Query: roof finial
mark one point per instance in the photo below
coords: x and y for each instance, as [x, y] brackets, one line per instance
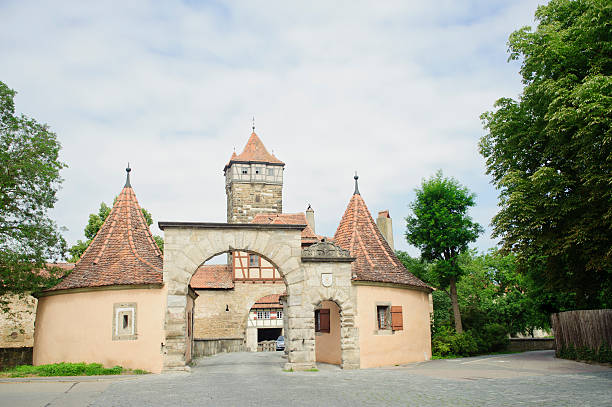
[253, 124]
[127, 181]
[356, 177]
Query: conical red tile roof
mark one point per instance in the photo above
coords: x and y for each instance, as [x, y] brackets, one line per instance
[123, 251]
[254, 151]
[375, 260]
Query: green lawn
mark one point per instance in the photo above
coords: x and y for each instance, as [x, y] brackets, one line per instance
[67, 369]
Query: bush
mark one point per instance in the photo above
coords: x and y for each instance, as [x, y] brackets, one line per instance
[602, 355]
[492, 338]
[447, 342]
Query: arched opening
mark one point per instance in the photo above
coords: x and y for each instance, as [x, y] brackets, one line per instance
[327, 322]
[237, 307]
[265, 325]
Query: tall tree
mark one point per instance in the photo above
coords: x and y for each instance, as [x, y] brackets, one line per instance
[95, 222]
[441, 228]
[29, 181]
[550, 154]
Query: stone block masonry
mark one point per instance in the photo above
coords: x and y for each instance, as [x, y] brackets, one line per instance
[211, 320]
[245, 200]
[17, 326]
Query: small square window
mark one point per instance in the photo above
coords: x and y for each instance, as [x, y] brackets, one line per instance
[253, 260]
[260, 315]
[124, 321]
[245, 171]
[270, 172]
[279, 314]
[266, 314]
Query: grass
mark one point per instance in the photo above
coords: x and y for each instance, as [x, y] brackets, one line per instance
[314, 369]
[68, 369]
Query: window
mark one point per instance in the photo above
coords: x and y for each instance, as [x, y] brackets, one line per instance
[382, 316]
[389, 318]
[279, 314]
[253, 260]
[257, 170]
[270, 172]
[124, 321]
[322, 320]
[260, 315]
[266, 314]
[245, 171]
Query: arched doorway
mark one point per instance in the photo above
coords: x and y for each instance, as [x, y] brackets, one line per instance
[327, 333]
[227, 287]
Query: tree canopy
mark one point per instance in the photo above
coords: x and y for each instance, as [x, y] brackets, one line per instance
[550, 154]
[441, 229]
[29, 181]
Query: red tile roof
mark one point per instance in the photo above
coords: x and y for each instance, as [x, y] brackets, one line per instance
[123, 251]
[308, 236]
[254, 151]
[375, 260]
[269, 301]
[212, 276]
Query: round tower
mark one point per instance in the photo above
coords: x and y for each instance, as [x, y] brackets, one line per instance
[253, 182]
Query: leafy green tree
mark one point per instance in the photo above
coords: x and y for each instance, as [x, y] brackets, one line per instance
[95, 222]
[441, 228]
[29, 181]
[493, 291]
[550, 155]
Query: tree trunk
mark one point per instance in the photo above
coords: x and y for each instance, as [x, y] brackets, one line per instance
[455, 302]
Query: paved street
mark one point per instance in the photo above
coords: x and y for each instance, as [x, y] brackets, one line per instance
[531, 378]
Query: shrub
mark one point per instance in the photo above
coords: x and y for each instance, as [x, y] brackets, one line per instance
[492, 338]
[447, 342]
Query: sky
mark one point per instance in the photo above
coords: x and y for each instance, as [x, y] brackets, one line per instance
[390, 89]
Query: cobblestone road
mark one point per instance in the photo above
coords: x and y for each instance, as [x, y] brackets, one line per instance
[257, 379]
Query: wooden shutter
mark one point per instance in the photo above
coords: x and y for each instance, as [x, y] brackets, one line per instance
[397, 320]
[324, 320]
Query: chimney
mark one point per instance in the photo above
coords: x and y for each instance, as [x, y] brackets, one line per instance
[310, 218]
[385, 226]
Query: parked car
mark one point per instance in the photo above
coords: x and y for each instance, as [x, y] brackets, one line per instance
[280, 343]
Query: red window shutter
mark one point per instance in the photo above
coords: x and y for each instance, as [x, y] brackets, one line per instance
[324, 320]
[397, 320]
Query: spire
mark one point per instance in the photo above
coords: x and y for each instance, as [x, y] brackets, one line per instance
[127, 180]
[254, 151]
[375, 259]
[253, 124]
[123, 251]
[356, 177]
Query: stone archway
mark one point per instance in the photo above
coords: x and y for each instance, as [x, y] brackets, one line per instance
[188, 245]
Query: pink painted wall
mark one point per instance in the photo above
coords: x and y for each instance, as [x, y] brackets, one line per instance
[77, 327]
[327, 345]
[412, 344]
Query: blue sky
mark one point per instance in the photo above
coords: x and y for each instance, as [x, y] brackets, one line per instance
[393, 90]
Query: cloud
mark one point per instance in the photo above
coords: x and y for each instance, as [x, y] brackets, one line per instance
[392, 90]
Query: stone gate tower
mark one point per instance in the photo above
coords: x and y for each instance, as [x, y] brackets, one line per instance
[253, 182]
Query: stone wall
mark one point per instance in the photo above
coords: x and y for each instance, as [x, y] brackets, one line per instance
[527, 344]
[209, 347]
[245, 200]
[213, 321]
[17, 326]
[11, 357]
